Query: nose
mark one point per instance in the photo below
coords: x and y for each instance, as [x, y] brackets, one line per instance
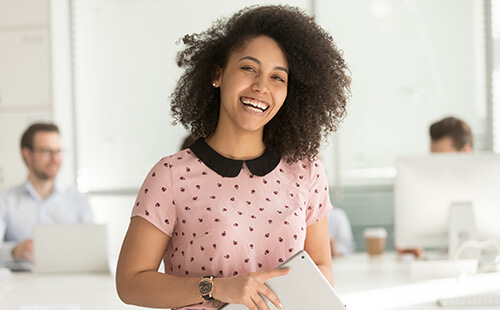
[55, 156]
[260, 84]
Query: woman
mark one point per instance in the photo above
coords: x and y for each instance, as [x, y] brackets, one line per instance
[259, 89]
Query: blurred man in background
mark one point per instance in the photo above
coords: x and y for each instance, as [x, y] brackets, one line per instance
[40, 199]
[447, 136]
[339, 228]
[450, 135]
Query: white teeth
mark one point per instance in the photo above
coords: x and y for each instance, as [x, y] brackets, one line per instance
[255, 105]
[254, 109]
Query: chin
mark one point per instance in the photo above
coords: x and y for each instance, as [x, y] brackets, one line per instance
[254, 129]
[49, 175]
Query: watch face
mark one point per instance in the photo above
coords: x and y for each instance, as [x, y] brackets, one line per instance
[205, 287]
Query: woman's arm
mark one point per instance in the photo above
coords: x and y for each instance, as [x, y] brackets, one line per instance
[317, 245]
[138, 282]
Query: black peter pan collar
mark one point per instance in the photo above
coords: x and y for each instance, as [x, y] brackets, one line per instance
[228, 167]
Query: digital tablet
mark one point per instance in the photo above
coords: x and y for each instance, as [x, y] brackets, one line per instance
[304, 287]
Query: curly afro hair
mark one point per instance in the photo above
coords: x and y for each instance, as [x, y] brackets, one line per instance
[318, 81]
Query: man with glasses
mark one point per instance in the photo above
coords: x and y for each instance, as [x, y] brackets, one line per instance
[40, 199]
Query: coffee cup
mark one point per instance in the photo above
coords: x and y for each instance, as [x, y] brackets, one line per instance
[375, 240]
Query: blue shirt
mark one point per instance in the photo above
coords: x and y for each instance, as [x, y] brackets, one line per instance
[21, 208]
[339, 228]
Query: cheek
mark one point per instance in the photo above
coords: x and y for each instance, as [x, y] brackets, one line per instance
[280, 97]
[229, 90]
[39, 161]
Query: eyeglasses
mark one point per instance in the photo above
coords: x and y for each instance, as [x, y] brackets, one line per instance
[47, 152]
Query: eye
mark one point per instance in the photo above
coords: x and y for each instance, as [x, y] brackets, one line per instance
[279, 78]
[248, 68]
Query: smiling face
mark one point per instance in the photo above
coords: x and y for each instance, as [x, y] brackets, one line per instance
[253, 86]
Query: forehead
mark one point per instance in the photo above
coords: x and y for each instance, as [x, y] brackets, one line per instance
[444, 144]
[263, 48]
[46, 138]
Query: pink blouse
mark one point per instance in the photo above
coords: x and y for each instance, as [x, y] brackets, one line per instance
[225, 226]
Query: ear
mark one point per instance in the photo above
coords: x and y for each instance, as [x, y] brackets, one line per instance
[217, 76]
[467, 148]
[26, 153]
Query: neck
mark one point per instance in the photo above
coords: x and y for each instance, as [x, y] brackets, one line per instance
[237, 146]
[43, 187]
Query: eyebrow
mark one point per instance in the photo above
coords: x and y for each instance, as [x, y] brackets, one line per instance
[259, 63]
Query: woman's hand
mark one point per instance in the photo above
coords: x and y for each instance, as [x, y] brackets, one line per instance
[245, 289]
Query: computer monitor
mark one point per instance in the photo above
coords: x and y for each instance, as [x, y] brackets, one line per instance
[427, 186]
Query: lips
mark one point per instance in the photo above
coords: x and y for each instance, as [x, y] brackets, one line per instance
[254, 104]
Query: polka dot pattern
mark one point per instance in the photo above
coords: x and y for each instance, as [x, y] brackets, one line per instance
[226, 226]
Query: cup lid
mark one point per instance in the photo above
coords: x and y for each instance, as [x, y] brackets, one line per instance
[375, 232]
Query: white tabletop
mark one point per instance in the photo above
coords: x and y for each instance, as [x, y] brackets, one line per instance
[363, 283]
[388, 282]
[29, 291]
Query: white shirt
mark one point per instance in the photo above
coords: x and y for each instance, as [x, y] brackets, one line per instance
[21, 208]
[340, 229]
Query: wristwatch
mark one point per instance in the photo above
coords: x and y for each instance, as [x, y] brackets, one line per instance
[206, 287]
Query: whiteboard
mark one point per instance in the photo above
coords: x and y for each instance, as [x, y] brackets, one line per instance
[412, 63]
[124, 54]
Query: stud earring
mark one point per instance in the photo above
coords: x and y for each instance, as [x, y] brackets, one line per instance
[214, 84]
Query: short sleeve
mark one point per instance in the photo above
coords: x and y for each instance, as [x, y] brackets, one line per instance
[318, 204]
[155, 202]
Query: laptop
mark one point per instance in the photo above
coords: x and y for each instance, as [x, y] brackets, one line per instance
[70, 248]
[304, 287]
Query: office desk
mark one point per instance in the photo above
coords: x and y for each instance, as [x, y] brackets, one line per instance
[363, 283]
[386, 283]
[28, 291]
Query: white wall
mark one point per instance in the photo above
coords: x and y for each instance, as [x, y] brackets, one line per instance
[25, 79]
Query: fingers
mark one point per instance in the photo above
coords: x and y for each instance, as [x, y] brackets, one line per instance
[29, 246]
[28, 250]
[266, 275]
[24, 251]
[269, 294]
[249, 289]
[259, 302]
[265, 291]
[255, 301]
